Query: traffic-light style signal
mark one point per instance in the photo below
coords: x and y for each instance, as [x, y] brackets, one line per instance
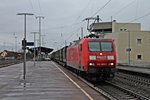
[24, 43]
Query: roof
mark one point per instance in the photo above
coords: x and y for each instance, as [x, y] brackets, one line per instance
[6, 53]
[43, 49]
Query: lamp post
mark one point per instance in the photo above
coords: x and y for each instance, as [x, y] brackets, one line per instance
[40, 18]
[24, 40]
[43, 40]
[15, 42]
[129, 47]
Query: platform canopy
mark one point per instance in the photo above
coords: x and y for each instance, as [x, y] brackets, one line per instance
[43, 49]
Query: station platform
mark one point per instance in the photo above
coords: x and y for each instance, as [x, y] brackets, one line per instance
[145, 70]
[45, 81]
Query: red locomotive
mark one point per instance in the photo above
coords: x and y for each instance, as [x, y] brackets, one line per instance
[89, 56]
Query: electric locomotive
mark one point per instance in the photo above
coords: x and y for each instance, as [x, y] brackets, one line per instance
[93, 57]
[90, 57]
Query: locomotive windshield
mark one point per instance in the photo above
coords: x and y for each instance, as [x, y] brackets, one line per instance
[100, 46]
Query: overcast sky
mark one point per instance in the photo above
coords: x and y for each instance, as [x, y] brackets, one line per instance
[63, 18]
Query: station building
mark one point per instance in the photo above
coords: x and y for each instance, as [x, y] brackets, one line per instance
[132, 43]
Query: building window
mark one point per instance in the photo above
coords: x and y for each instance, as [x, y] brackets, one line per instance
[139, 57]
[125, 29]
[139, 41]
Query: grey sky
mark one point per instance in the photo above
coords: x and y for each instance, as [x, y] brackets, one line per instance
[63, 18]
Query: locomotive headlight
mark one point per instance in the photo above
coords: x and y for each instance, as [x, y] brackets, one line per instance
[111, 64]
[92, 57]
[110, 57]
[91, 64]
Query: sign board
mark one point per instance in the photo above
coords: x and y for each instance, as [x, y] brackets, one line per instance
[30, 43]
[128, 49]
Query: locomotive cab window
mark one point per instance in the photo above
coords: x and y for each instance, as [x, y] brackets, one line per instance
[100, 46]
[106, 46]
[94, 46]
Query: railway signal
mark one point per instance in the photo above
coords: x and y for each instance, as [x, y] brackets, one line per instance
[24, 43]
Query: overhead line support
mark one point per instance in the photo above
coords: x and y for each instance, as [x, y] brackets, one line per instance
[40, 18]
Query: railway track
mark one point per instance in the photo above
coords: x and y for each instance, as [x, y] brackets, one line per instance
[138, 84]
[5, 63]
[115, 91]
[122, 87]
[128, 86]
[121, 93]
[138, 80]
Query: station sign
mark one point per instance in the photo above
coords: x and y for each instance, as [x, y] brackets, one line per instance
[30, 44]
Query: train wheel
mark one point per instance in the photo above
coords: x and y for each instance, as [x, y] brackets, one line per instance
[83, 74]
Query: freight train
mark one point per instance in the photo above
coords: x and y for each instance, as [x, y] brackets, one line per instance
[90, 57]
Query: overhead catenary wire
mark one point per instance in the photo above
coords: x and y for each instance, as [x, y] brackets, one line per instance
[101, 8]
[35, 10]
[77, 23]
[140, 17]
[126, 6]
[31, 4]
[148, 14]
[83, 10]
[74, 24]
[40, 7]
[73, 33]
[137, 6]
[123, 8]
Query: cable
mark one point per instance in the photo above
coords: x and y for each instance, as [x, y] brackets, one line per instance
[123, 8]
[137, 19]
[40, 7]
[83, 10]
[140, 17]
[31, 5]
[137, 6]
[102, 8]
[71, 34]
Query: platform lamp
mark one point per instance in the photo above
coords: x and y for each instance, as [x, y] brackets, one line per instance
[24, 43]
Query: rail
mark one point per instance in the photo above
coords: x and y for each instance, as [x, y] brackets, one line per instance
[5, 63]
